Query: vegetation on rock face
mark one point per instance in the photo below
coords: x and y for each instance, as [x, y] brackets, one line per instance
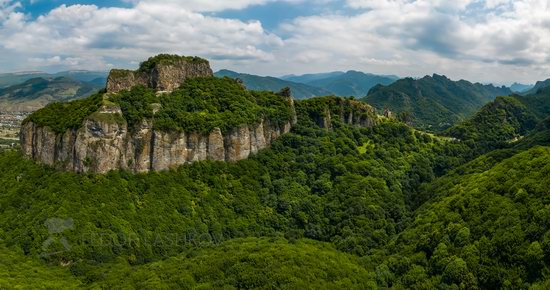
[348, 207]
[199, 105]
[202, 104]
[63, 116]
[350, 186]
[168, 59]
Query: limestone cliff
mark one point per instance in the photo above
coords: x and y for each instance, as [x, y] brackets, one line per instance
[325, 110]
[96, 135]
[162, 73]
[105, 143]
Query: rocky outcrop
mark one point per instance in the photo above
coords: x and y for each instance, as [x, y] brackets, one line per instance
[162, 76]
[348, 112]
[104, 143]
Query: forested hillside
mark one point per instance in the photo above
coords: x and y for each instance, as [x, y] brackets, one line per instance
[350, 187]
[434, 102]
[514, 120]
[485, 226]
[339, 206]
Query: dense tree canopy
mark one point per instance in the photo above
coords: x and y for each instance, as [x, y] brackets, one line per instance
[385, 206]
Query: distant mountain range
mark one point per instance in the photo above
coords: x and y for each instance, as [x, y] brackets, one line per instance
[520, 88]
[351, 83]
[11, 79]
[304, 79]
[37, 92]
[259, 83]
[434, 102]
[537, 87]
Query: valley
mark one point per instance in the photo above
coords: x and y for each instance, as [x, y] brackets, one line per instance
[10, 126]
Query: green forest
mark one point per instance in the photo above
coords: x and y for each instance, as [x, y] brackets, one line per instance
[350, 207]
[199, 105]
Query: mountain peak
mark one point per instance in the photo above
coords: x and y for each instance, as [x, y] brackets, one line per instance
[163, 72]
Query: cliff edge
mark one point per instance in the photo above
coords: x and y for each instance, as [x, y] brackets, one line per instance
[162, 73]
[131, 126]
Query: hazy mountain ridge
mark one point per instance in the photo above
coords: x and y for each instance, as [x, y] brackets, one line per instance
[346, 84]
[520, 88]
[306, 78]
[36, 93]
[11, 79]
[539, 85]
[259, 83]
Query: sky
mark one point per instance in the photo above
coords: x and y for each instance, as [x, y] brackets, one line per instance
[488, 41]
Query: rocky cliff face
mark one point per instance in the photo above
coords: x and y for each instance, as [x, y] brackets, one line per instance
[161, 77]
[348, 112]
[105, 143]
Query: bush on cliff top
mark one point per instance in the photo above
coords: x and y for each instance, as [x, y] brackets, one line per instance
[202, 104]
[149, 64]
[199, 105]
[62, 116]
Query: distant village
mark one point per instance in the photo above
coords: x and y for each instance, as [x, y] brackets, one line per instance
[10, 123]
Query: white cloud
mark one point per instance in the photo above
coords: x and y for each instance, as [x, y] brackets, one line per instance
[209, 5]
[213, 5]
[89, 32]
[465, 39]
[485, 40]
[7, 7]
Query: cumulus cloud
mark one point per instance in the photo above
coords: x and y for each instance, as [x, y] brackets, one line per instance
[464, 38]
[214, 6]
[485, 40]
[7, 7]
[89, 32]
